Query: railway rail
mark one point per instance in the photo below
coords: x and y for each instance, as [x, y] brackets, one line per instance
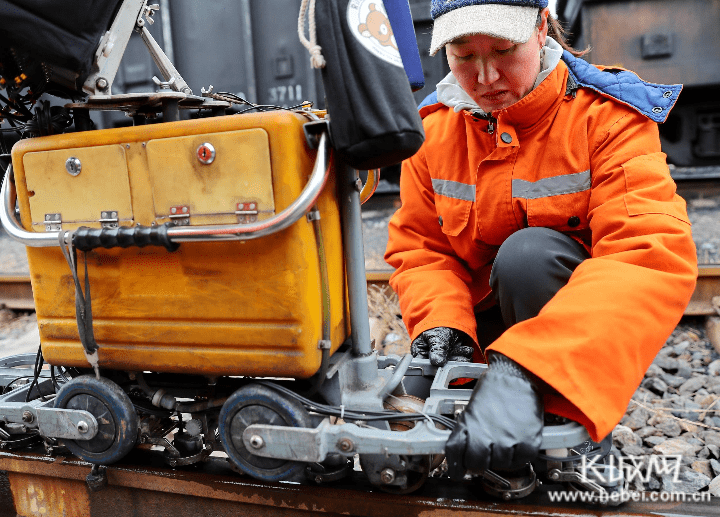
[16, 291]
[33, 483]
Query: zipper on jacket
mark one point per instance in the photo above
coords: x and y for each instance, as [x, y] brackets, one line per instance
[490, 120]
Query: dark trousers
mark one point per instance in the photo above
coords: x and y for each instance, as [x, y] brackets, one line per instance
[531, 266]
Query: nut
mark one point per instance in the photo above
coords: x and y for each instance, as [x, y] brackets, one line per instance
[101, 83]
[27, 416]
[256, 441]
[83, 427]
[387, 476]
[346, 445]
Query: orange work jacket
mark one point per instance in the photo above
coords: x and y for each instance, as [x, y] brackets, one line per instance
[577, 161]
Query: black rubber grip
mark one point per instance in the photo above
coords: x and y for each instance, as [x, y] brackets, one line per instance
[86, 239]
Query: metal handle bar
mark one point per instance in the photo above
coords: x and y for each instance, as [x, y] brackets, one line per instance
[302, 204]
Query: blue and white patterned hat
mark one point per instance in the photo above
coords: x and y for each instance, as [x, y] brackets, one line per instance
[512, 20]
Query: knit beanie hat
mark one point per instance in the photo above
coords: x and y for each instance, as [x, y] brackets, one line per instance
[512, 20]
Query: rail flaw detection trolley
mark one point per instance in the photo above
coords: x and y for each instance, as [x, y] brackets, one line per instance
[200, 287]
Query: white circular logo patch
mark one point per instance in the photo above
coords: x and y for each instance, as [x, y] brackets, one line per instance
[370, 25]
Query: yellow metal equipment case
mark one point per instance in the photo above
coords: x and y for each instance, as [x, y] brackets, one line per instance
[251, 307]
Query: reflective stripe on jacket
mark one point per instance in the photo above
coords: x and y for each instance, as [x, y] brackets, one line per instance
[580, 163]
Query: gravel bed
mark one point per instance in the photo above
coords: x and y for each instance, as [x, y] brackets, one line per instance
[676, 411]
[704, 214]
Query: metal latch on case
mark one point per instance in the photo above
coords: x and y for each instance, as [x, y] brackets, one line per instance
[180, 215]
[53, 222]
[109, 219]
[246, 212]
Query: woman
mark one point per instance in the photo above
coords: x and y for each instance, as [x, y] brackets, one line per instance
[538, 220]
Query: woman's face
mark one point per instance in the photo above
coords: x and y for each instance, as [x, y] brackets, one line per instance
[495, 72]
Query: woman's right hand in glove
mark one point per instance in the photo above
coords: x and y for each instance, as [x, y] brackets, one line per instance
[443, 344]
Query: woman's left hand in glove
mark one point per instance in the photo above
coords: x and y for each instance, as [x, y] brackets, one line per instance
[502, 425]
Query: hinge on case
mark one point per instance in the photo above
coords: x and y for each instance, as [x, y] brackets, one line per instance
[180, 215]
[246, 212]
[53, 222]
[109, 219]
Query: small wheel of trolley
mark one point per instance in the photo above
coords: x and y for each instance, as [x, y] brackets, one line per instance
[115, 415]
[259, 404]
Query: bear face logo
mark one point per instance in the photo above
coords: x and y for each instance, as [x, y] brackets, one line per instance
[377, 26]
[368, 22]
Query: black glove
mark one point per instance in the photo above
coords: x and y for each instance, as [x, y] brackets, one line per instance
[501, 427]
[443, 344]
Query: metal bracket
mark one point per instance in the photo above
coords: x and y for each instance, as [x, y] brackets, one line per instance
[53, 222]
[313, 130]
[180, 215]
[313, 445]
[324, 344]
[109, 219]
[313, 215]
[114, 42]
[112, 47]
[246, 212]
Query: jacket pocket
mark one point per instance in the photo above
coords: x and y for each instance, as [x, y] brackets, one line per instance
[650, 189]
[558, 202]
[453, 201]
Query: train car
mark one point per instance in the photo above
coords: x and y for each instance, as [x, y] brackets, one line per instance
[669, 42]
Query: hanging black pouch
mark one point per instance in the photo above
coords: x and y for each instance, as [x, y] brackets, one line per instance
[374, 120]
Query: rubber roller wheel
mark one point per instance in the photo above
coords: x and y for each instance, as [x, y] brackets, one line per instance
[259, 404]
[115, 415]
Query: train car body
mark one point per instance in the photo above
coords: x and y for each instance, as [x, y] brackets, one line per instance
[668, 42]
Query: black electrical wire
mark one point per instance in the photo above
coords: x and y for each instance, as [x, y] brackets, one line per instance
[367, 416]
[7, 389]
[39, 361]
[259, 107]
[55, 382]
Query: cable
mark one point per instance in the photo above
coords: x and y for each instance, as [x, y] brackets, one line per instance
[6, 388]
[367, 416]
[39, 361]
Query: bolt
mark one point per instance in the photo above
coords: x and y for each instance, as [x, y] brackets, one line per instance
[27, 416]
[555, 476]
[83, 427]
[507, 496]
[101, 83]
[387, 476]
[256, 442]
[346, 445]
[318, 479]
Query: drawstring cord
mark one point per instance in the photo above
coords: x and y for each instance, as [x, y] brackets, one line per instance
[316, 58]
[83, 305]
